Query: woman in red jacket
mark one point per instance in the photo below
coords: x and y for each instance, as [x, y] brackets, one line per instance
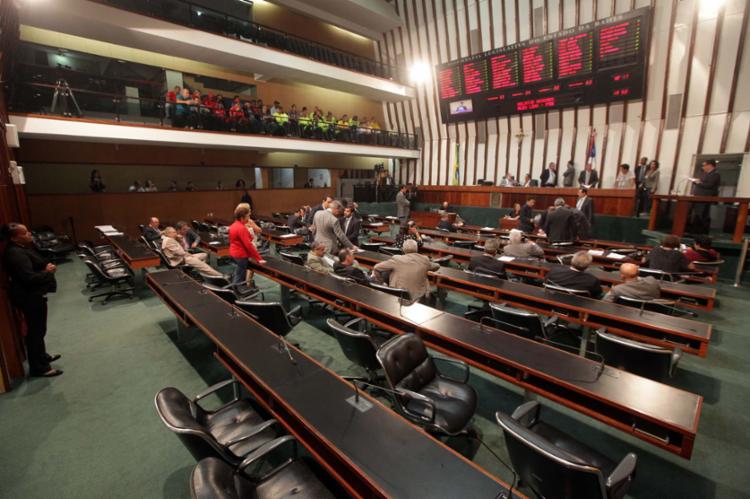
[241, 245]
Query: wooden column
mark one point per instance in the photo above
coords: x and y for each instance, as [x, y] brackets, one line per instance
[739, 228]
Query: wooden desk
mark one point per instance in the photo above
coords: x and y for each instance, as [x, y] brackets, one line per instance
[212, 243]
[682, 210]
[667, 417]
[371, 453]
[133, 252]
[282, 238]
[687, 295]
[429, 218]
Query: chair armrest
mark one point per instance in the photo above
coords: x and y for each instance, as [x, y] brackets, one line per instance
[266, 448]
[624, 470]
[676, 356]
[476, 314]
[213, 389]
[527, 414]
[418, 396]
[354, 321]
[295, 314]
[253, 432]
[456, 362]
[550, 321]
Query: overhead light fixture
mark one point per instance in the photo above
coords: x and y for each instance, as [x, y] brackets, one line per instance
[419, 72]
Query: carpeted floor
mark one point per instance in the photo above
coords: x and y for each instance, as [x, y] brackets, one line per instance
[93, 433]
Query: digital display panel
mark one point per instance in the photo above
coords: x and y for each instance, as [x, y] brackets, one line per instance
[598, 62]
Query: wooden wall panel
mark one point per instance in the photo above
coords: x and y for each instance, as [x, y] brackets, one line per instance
[127, 210]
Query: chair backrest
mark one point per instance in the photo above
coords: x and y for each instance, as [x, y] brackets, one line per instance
[549, 471]
[292, 257]
[463, 244]
[406, 363]
[658, 305]
[645, 360]
[391, 250]
[196, 224]
[519, 322]
[270, 314]
[399, 292]
[163, 258]
[371, 246]
[96, 269]
[564, 259]
[225, 294]
[357, 346]
[186, 419]
[570, 291]
[443, 260]
[216, 280]
[659, 275]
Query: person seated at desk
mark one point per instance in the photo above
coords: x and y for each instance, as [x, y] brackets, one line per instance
[407, 271]
[445, 207]
[559, 223]
[345, 267]
[488, 260]
[575, 276]
[633, 286]
[548, 178]
[515, 213]
[188, 237]
[526, 216]
[702, 250]
[316, 259]
[172, 246]
[151, 231]
[667, 257]
[295, 221]
[445, 224]
[519, 247]
[409, 231]
[588, 178]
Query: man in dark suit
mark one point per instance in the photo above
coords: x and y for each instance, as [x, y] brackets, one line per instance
[549, 176]
[575, 276]
[345, 267]
[559, 223]
[585, 205]
[295, 220]
[488, 260]
[322, 206]
[526, 218]
[152, 232]
[706, 185]
[588, 177]
[351, 225]
[641, 193]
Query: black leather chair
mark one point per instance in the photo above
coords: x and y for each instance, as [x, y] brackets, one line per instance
[360, 347]
[425, 396]
[649, 361]
[555, 466]
[463, 244]
[391, 250]
[226, 294]
[657, 274]
[521, 322]
[242, 291]
[119, 279]
[443, 261]
[371, 246]
[212, 478]
[292, 258]
[398, 292]
[562, 289]
[659, 305]
[51, 245]
[230, 432]
[272, 315]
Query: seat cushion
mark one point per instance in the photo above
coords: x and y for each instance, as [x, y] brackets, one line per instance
[234, 421]
[582, 452]
[295, 480]
[212, 478]
[455, 403]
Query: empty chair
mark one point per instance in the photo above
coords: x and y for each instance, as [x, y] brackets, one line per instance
[292, 258]
[570, 291]
[241, 290]
[212, 478]
[117, 278]
[399, 292]
[649, 361]
[51, 245]
[521, 322]
[272, 315]
[425, 396]
[555, 466]
[391, 250]
[360, 347]
[230, 432]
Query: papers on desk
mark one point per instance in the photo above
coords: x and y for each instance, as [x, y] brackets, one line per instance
[108, 230]
[506, 258]
[375, 224]
[287, 236]
[215, 243]
[488, 228]
[596, 252]
[616, 256]
[391, 217]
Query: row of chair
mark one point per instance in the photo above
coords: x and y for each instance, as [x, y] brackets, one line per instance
[106, 269]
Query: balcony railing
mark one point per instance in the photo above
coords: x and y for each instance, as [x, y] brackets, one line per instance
[199, 17]
[59, 99]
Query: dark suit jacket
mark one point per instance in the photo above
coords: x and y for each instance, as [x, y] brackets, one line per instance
[151, 234]
[559, 225]
[592, 181]
[667, 260]
[545, 177]
[477, 263]
[446, 225]
[587, 209]
[192, 237]
[25, 267]
[573, 279]
[709, 185]
[352, 233]
[351, 272]
[294, 222]
[637, 174]
[525, 220]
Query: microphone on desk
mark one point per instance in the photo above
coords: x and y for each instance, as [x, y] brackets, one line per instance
[284, 347]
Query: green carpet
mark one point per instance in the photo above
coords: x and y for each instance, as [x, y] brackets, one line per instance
[94, 433]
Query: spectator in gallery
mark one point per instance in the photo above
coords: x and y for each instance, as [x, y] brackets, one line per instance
[624, 179]
[549, 176]
[135, 187]
[219, 185]
[173, 187]
[240, 184]
[150, 187]
[182, 108]
[309, 184]
[171, 101]
[189, 187]
[569, 174]
[96, 183]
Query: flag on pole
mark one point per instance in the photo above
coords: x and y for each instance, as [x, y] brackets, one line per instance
[456, 176]
[591, 157]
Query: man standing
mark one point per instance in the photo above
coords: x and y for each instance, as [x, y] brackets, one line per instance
[322, 206]
[351, 225]
[408, 271]
[569, 174]
[526, 219]
[328, 230]
[559, 223]
[403, 205]
[585, 205]
[588, 177]
[31, 278]
[632, 286]
[549, 176]
[641, 193]
[706, 185]
[151, 232]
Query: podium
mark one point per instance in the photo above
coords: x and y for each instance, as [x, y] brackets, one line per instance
[682, 211]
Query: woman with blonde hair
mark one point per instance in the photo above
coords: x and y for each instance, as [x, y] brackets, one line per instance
[241, 245]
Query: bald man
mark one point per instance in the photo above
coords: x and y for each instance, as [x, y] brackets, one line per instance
[151, 231]
[633, 286]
